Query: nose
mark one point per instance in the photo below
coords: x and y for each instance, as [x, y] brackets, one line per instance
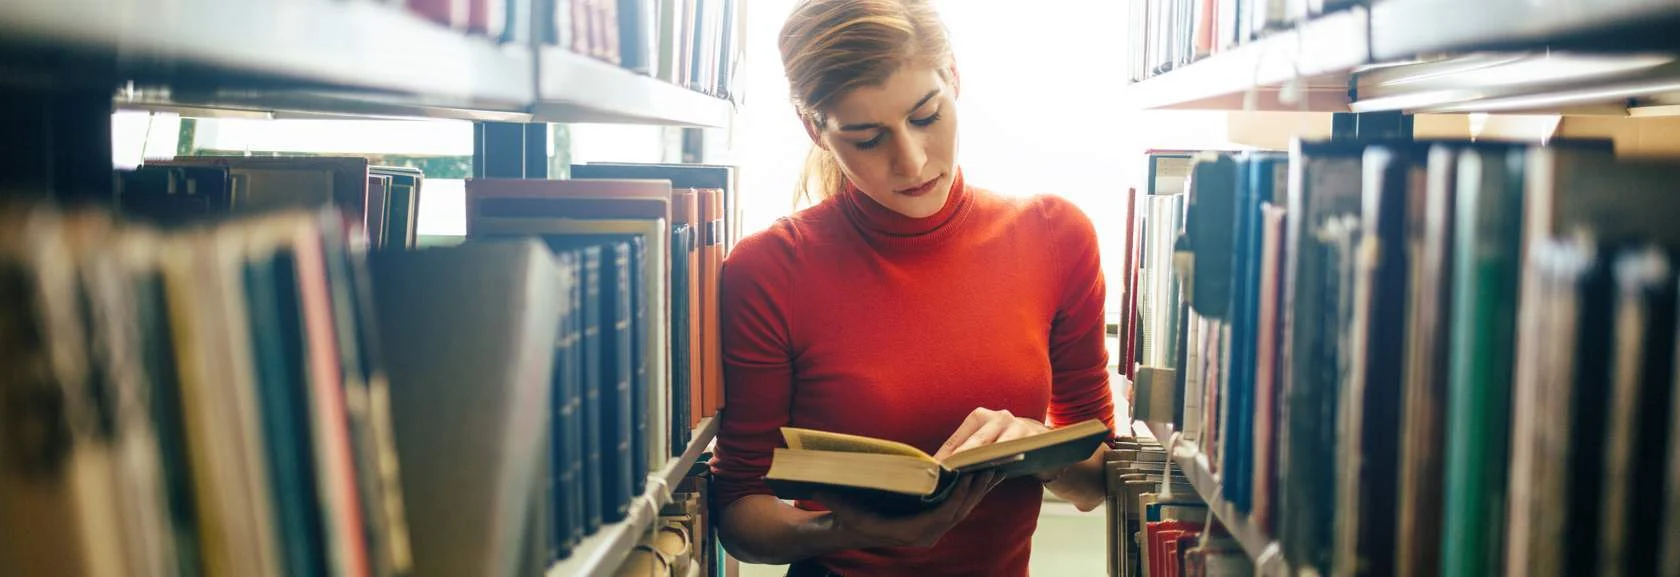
[909, 155]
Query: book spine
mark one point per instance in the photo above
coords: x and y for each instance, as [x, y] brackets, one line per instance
[616, 402]
[1483, 330]
[639, 394]
[576, 494]
[593, 445]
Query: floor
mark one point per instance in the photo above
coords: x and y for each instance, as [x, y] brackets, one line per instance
[1068, 544]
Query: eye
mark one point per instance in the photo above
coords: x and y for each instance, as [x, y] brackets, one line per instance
[926, 120]
[871, 143]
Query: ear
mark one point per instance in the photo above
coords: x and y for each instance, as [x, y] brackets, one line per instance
[815, 132]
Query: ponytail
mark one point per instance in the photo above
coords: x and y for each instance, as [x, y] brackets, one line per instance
[820, 179]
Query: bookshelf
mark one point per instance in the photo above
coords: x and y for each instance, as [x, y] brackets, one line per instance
[322, 43]
[1319, 52]
[1408, 28]
[71, 62]
[1266, 553]
[1564, 56]
[313, 58]
[602, 553]
[575, 88]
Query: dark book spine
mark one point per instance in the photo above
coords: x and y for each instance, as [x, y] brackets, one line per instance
[638, 368]
[1324, 183]
[634, 17]
[616, 400]
[1488, 242]
[1589, 412]
[1385, 267]
[572, 437]
[562, 476]
[1244, 296]
[593, 472]
[682, 350]
[157, 341]
[1641, 374]
[278, 375]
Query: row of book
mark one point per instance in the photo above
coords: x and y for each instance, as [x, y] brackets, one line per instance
[197, 401]
[566, 418]
[1422, 358]
[1157, 525]
[639, 353]
[1171, 34]
[381, 203]
[696, 44]
[500, 20]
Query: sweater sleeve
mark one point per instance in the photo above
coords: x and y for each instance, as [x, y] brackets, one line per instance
[757, 363]
[1078, 349]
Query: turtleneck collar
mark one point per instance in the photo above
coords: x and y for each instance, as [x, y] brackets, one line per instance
[883, 226]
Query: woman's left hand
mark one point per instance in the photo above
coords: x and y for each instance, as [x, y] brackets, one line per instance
[985, 426]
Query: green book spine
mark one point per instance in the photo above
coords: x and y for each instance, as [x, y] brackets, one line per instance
[1483, 328]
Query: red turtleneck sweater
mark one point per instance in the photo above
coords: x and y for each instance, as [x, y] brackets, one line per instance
[849, 317]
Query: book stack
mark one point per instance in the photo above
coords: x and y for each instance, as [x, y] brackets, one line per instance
[696, 44]
[682, 542]
[637, 365]
[1171, 34]
[201, 400]
[380, 204]
[1427, 358]
[1158, 524]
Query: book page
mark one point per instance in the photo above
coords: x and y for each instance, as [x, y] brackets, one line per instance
[809, 440]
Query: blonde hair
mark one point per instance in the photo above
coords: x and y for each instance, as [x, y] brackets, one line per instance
[830, 47]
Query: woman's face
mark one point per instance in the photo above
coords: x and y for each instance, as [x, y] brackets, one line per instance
[897, 142]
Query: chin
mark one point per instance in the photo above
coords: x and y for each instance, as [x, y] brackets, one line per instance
[921, 207]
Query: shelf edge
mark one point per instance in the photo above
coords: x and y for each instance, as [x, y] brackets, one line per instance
[601, 554]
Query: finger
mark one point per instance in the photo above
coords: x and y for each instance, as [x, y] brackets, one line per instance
[1018, 428]
[976, 419]
[986, 435]
[835, 503]
[959, 495]
[962, 499]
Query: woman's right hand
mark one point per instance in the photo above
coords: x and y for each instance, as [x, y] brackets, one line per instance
[920, 530]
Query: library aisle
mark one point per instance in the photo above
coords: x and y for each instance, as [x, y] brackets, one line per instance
[437, 288]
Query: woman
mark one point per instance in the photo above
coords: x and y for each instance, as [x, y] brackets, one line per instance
[906, 305]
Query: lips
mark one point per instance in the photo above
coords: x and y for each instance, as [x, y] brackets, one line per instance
[922, 190]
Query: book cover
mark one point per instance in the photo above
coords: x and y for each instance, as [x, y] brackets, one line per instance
[491, 309]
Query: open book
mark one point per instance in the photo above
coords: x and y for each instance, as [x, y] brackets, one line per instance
[896, 478]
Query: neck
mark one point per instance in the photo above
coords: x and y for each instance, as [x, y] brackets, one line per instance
[885, 227]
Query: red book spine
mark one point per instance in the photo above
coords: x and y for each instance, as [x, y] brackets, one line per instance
[329, 417]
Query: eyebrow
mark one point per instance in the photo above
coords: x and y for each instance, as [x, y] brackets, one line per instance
[875, 125]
